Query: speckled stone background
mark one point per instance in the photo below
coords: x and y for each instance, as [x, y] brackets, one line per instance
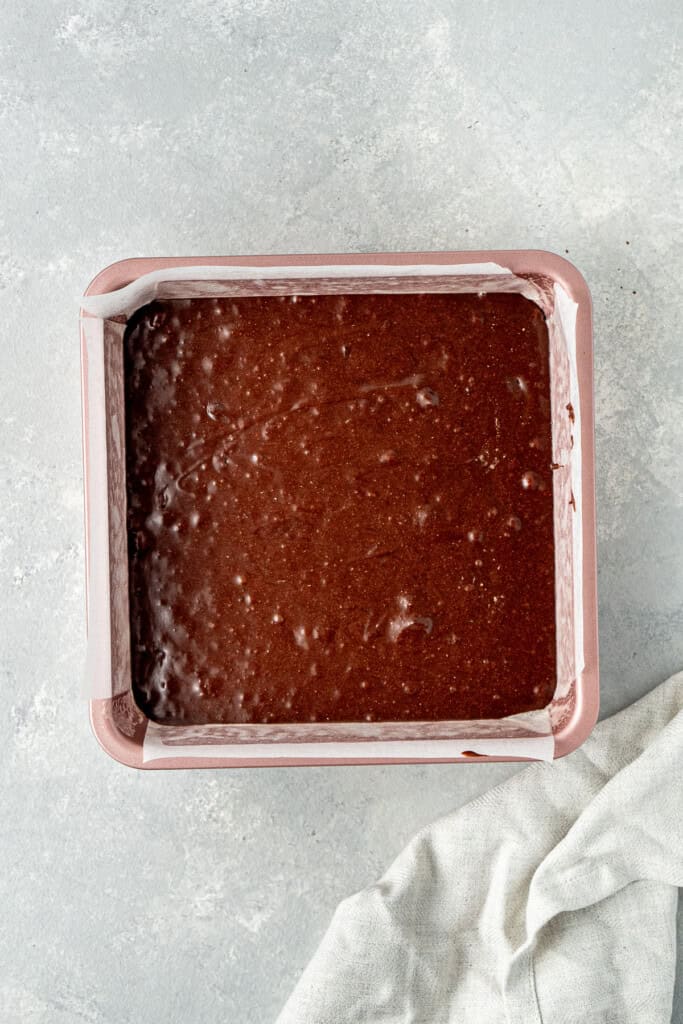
[247, 126]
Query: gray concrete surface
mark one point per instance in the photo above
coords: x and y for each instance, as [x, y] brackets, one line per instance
[220, 126]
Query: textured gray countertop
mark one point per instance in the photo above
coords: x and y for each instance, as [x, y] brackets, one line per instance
[219, 126]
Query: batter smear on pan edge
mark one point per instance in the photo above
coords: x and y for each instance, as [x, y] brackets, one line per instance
[340, 508]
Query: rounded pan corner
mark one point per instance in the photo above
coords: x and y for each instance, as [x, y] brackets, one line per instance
[581, 724]
[562, 270]
[119, 746]
[116, 275]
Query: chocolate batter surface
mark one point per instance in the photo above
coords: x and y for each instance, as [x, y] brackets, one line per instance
[340, 508]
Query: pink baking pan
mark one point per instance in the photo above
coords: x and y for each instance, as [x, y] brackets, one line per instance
[119, 725]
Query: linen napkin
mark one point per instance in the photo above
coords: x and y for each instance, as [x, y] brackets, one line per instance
[552, 898]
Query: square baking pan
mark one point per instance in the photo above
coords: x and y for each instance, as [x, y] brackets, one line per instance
[122, 728]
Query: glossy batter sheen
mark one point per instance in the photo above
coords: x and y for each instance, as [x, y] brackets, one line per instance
[340, 508]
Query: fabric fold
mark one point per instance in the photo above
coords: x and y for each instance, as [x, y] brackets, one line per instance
[551, 898]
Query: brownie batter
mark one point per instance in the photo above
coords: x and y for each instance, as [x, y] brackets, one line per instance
[340, 508]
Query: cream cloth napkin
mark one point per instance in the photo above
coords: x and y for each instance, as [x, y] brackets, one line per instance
[550, 899]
